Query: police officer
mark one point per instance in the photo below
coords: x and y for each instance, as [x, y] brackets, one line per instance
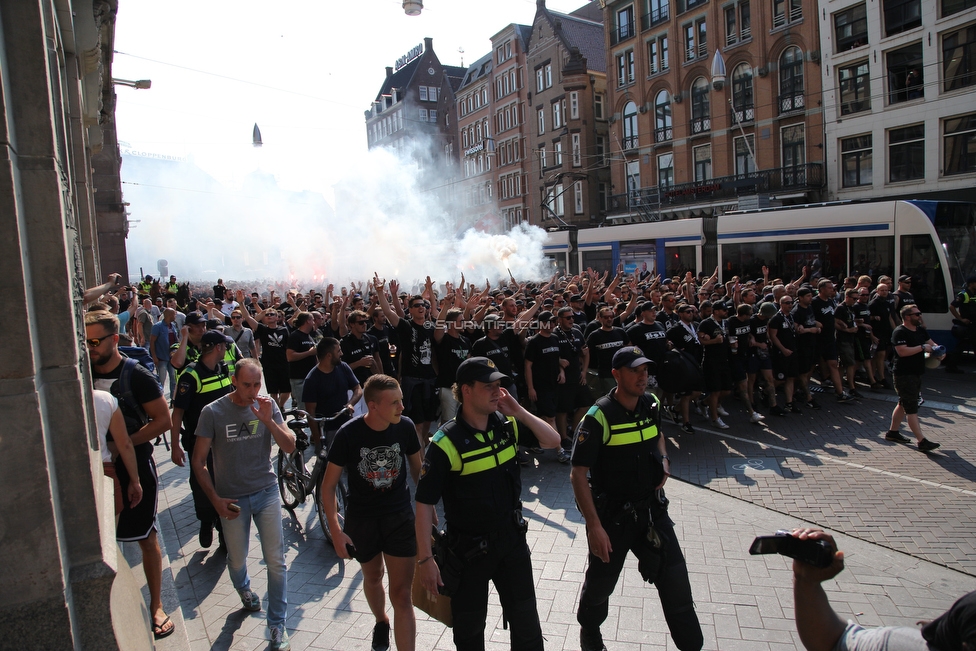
[472, 464]
[963, 310]
[620, 465]
[144, 288]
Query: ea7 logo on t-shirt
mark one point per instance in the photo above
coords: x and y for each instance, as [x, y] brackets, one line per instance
[246, 430]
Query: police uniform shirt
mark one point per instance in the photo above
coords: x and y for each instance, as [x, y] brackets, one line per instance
[620, 448]
[480, 483]
[965, 304]
[197, 387]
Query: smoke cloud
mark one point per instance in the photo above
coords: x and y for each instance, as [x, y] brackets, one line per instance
[393, 215]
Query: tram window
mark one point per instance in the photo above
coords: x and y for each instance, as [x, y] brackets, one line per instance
[824, 258]
[872, 256]
[680, 260]
[920, 260]
[955, 224]
[598, 261]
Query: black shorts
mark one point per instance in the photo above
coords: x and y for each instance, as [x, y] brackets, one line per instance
[757, 363]
[572, 396]
[393, 534]
[420, 400]
[786, 367]
[545, 404]
[276, 379]
[827, 349]
[739, 370]
[137, 523]
[907, 387]
[806, 357]
[847, 353]
[717, 378]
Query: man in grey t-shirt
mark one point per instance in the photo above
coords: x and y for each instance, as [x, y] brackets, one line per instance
[238, 428]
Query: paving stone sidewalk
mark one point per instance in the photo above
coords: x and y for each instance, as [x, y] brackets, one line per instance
[743, 602]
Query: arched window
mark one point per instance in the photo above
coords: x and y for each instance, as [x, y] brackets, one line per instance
[662, 117]
[630, 126]
[791, 80]
[700, 111]
[743, 106]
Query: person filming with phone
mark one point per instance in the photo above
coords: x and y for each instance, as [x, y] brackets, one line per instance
[822, 629]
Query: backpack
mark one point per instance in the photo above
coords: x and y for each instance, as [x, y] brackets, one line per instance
[678, 373]
[133, 413]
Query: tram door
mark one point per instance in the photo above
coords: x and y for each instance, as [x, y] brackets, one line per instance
[709, 244]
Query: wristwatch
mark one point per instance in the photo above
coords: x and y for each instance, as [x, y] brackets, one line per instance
[664, 456]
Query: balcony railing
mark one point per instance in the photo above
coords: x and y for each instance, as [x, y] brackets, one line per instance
[663, 134]
[808, 178]
[622, 33]
[700, 125]
[795, 14]
[655, 17]
[744, 114]
[631, 142]
[791, 102]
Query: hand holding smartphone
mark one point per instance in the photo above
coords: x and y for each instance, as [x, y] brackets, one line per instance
[818, 553]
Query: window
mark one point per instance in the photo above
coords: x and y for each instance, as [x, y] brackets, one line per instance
[601, 151]
[432, 115]
[786, 12]
[557, 115]
[690, 42]
[602, 196]
[539, 81]
[574, 105]
[791, 80]
[731, 33]
[919, 258]
[548, 75]
[905, 80]
[743, 102]
[554, 199]
[794, 155]
[901, 15]
[598, 106]
[558, 153]
[423, 115]
[959, 58]
[625, 24]
[851, 28]
[542, 121]
[423, 93]
[657, 54]
[906, 153]
[737, 23]
[659, 13]
[702, 40]
[477, 129]
[700, 111]
[577, 159]
[578, 197]
[856, 161]
[633, 181]
[855, 88]
[630, 140]
[625, 68]
[703, 163]
[663, 129]
[745, 162]
[960, 145]
[950, 7]
[542, 157]
[665, 170]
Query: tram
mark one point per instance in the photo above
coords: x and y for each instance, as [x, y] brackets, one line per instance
[934, 242]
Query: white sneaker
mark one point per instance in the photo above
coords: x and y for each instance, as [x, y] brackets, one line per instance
[562, 456]
[279, 639]
[756, 417]
[721, 411]
[719, 423]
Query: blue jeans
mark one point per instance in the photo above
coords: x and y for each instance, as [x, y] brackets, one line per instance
[164, 369]
[265, 508]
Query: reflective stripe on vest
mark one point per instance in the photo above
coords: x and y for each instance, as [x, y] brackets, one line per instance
[481, 458]
[623, 433]
[212, 383]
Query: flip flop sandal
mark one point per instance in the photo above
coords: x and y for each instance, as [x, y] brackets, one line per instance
[160, 631]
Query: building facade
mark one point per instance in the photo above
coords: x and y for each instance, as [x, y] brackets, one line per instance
[899, 80]
[473, 107]
[565, 72]
[715, 106]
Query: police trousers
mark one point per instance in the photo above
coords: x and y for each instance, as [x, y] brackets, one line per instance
[507, 564]
[202, 505]
[664, 567]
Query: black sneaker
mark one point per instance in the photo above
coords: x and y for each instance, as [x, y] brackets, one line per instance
[206, 534]
[897, 437]
[794, 409]
[926, 445]
[591, 640]
[856, 394]
[381, 636]
[777, 411]
[813, 404]
[845, 397]
[954, 369]
[687, 428]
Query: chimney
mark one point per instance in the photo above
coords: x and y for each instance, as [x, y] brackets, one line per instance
[428, 44]
[389, 72]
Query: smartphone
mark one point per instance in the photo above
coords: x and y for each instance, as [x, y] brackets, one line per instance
[234, 508]
[818, 553]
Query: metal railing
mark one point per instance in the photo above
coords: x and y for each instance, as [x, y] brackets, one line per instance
[744, 114]
[655, 17]
[791, 102]
[622, 33]
[663, 134]
[700, 125]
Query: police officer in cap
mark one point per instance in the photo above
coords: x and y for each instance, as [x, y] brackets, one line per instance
[620, 465]
[472, 463]
[963, 310]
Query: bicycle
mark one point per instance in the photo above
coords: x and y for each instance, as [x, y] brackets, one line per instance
[296, 483]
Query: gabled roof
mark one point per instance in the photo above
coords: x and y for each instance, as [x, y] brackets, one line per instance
[587, 35]
[399, 79]
[477, 70]
[524, 33]
[454, 76]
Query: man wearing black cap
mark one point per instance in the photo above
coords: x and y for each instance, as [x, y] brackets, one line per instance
[903, 295]
[821, 629]
[807, 331]
[620, 465]
[200, 383]
[963, 308]
[716, 362]
[471, 463]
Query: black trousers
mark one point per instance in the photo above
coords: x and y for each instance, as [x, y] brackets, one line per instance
[201, 503]
[507, 564]
[670, 579]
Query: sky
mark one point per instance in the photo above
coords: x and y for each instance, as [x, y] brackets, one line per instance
[303, 70]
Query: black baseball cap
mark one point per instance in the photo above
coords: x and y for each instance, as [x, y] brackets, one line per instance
[647, 305]
[195, 318]
[478, 369]
[629, 356]
[213, 338]
[905, 279]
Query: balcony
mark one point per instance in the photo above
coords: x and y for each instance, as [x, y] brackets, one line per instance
[700, 126]
[743, 115]
[622, 33]
[655, 17]
[630, 142]
[801, 178]
[795, 14]
[663, 134]
[791, 102]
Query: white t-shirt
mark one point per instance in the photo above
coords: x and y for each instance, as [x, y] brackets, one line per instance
[105, 406]
[885, 638]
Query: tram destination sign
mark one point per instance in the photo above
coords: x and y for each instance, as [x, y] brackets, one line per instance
[409, 56]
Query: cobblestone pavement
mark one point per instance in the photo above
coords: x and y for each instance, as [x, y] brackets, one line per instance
[904, 519]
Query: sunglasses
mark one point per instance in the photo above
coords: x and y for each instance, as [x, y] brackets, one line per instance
[237, 316]
[356, 322]
[95, 342]
[914, 314]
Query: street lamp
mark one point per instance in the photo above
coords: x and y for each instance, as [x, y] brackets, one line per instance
[142, 84]
[413, 7]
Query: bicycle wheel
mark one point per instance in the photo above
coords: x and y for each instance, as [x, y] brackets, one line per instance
[340, 498]
[290, 483]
